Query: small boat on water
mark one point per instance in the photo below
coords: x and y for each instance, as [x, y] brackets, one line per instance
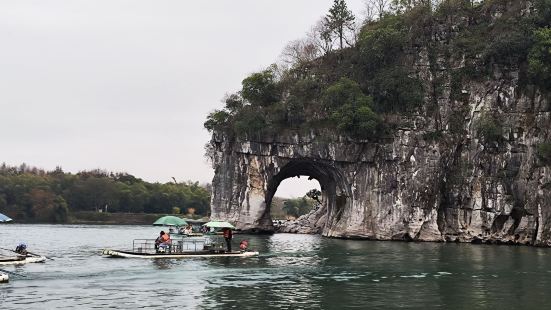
[20, 259]
[180, 248]
[20, 256]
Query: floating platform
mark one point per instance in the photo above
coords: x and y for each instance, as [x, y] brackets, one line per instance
[130, 254]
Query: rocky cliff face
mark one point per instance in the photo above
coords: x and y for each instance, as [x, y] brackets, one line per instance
[433, 179]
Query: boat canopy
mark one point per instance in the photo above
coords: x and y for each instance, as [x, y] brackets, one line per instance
[4, 219]
[219, 225]
[198, 222]
[170, 220]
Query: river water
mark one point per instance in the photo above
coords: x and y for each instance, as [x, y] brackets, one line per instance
[292, 272]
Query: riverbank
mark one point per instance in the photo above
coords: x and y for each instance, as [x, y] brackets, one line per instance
[105, 218]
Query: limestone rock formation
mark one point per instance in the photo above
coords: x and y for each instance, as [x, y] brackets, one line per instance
[433, 179]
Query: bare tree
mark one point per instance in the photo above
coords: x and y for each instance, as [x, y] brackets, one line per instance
[351, 37]
[369, 11]
[379, 7]
[300, 51]
[321, 36]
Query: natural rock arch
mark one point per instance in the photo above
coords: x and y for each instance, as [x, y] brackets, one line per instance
[333, 188]
[363, 185]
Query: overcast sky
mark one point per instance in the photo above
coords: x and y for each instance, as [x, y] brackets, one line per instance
[126, 85]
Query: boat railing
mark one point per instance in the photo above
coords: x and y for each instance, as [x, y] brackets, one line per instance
[176, 246]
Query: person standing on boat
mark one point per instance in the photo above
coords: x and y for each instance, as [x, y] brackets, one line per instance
[228, 234]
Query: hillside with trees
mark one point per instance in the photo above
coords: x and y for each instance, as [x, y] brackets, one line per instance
[29, 194]
[357, 76]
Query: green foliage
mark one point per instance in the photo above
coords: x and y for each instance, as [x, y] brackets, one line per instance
[350, 109]
[381, 44]
[297, 207]
[433, 135]
[339, 19]
[217, 120]
[234, 103]
[543, 17]
[261, 89]
[35, 195]
[344, 92]
[539, 58]
[489, 128]
[395, 91]
[315, 195]
[462, 41]
[357, 121]
[509, 47]
[544, 152]
[249, 121]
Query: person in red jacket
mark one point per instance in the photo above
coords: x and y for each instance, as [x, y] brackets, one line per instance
[162, 241]
[228, 234]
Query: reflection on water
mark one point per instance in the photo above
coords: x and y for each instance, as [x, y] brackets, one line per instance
[293, 271]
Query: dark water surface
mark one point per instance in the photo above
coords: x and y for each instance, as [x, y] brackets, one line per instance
[292, 272]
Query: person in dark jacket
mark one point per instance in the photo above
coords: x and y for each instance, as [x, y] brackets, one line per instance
[228, 235]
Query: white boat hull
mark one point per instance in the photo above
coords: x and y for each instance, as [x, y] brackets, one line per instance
[30, 259]
[124, 254]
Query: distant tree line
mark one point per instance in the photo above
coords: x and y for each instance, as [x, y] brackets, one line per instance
[33, 194]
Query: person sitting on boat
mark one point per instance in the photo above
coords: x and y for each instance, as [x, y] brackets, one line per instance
[188, 230]
[244, 245]
[21, 249]
[163, 241]
[228, 234]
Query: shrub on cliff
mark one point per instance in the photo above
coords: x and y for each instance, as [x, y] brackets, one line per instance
[544, 152]
[395, 91]
[216, 120]
[489, 128]
[249, 121]
[261, 88]
[540, 58]
[350, 109]
[382, 43]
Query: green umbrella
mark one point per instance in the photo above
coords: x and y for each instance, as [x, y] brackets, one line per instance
[219, 225]
[170, 220]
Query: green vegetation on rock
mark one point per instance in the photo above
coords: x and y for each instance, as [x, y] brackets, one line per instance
[544, 152]
[489, 128]
[360, 82]
[540, 57]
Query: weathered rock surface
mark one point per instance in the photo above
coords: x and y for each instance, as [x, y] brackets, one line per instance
[413, 186]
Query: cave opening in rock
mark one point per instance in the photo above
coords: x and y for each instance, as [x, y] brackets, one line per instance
[331, 183]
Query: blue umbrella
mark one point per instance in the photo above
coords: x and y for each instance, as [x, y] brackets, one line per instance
[4, 219]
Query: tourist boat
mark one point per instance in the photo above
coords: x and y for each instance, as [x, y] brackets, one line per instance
[181, 248]
[20, 259]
